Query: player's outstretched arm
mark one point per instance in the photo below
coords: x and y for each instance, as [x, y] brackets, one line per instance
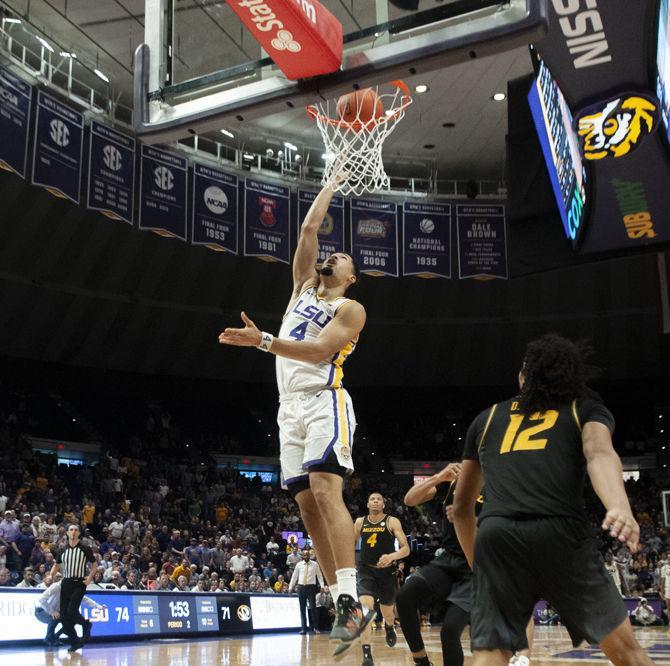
[358, 524]
[388, 559]
[426, 490]
[336, 334]
[470, 484]
[304, 261]
[604, 469]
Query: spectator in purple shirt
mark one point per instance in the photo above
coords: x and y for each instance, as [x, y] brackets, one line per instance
[24, 543]
[9, 531]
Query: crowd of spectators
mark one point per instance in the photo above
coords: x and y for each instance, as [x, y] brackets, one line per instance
[176, 521]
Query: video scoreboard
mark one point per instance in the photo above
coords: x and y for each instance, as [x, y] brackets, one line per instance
[143, 614]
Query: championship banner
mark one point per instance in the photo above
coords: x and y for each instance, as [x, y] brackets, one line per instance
[266, 221]
[331, 231]
[59, 141]
[15, 101]
[163, 192]
[111, 173]
[482, 241]
[426, 239]
[374, 236]
[214, 217]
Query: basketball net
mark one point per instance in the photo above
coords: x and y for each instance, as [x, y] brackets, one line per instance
[353, 160]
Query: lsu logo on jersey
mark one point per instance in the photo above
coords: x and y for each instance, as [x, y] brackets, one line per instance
[312, 313]
[615, 128]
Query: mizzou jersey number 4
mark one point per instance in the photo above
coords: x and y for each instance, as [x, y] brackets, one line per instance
[533, 463]
[376, 540]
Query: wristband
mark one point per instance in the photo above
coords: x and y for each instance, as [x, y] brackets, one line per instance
[266, 341]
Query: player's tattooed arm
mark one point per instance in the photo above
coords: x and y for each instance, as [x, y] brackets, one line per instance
[426, 490]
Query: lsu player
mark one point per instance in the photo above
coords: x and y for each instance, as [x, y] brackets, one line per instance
[316, 419]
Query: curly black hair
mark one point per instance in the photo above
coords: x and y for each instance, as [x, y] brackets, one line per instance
[555, 372]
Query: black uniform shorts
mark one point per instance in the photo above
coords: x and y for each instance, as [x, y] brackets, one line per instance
[518, 562]
[381, 584]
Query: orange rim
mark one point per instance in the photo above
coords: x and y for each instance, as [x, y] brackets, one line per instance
[313, 112]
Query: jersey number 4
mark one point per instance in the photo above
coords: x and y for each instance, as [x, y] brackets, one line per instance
[522, 441]
[299, 332]
[372, 540]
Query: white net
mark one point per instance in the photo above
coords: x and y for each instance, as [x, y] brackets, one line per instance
[353, 157]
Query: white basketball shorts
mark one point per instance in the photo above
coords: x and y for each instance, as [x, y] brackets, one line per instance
[312, 426]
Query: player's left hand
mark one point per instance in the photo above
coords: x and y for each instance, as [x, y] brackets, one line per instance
[385, 560]
[88, 580]
[623, 526]
[249, 336]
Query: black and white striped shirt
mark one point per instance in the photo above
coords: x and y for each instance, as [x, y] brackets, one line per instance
[73, 560]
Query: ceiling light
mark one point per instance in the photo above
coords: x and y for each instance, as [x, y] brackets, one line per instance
[101, 75]
[227, 133]
[327, 156]
[65, 54]
[499, 97]
[45, 44]
[11, 20]
[421, 88]
[248, 156]
[298, 158]
[290, 146]
[269, 153]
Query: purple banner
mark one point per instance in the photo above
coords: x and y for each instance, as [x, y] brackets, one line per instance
[266, 221]
[59, 141]
[15, 101]
[214, 221]
[427, 239]
[163, 192]
[374, 236]
[111, 173]
[331, 231]
[482, 241]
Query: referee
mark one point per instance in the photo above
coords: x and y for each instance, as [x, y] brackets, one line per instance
[73, 561]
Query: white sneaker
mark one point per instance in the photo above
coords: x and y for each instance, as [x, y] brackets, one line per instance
[522, 661]
[513, 661]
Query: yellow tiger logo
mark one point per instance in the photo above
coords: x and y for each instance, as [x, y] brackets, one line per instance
[618, 128]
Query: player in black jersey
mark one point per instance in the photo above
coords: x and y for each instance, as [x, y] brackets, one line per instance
[533, 452]
[377, 580]
[446, 578]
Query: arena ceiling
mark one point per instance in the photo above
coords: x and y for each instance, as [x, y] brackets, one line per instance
[209, 37]
[78, 289]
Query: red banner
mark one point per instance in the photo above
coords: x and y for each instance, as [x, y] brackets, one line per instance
[302, 37]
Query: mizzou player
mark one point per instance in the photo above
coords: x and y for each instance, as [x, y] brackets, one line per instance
[377, 580]
[445, 578]
[533, 452]
[316, 419]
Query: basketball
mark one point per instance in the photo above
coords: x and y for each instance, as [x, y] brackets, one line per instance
[362, 105]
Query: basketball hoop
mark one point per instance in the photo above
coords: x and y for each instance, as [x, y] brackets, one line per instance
[354, 145]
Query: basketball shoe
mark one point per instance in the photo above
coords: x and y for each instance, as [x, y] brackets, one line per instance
[350, 622]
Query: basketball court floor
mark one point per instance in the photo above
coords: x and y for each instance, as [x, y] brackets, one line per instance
[552, 646]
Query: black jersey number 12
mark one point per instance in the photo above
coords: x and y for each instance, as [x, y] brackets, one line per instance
[521, 441]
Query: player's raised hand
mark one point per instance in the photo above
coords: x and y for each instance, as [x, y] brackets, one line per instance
[622, 525]
[249, 336]
[450, 473]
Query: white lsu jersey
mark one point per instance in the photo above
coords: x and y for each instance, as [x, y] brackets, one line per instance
[305, 319]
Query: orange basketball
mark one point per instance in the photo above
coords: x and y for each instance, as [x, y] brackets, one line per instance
[363, 106]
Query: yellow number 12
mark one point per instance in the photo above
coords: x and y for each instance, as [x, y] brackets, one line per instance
[521, 441]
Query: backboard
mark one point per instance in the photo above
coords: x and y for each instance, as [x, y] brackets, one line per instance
[199, 66]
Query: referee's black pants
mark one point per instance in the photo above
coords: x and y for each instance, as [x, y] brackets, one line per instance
[307, 593]
[71, 593]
